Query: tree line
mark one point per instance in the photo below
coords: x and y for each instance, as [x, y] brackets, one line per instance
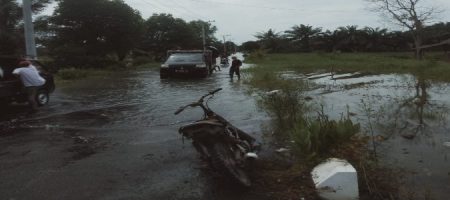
[98, 33]
[306, 38]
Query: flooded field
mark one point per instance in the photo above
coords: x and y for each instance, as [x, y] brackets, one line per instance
[407, 114]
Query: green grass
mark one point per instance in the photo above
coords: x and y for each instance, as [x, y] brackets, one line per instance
[376, 63]
[74, 74]
[317, 137]
[295, 124]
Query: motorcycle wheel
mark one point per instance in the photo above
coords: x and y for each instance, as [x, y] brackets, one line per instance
[223, 160]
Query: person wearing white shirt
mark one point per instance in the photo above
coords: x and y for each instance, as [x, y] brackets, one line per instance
[31, 80]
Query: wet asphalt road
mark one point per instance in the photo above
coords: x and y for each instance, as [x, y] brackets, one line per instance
[116, 138]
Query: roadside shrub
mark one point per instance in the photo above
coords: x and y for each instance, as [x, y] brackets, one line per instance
[287, 106]
[308, 136]
[257, 54]
[317, 136]
[141, 60]
[72, 74]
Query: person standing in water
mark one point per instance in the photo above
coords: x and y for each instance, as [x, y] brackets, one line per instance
[235, 65]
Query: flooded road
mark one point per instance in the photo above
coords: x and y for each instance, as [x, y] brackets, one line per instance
[116, 138]
[408, 115]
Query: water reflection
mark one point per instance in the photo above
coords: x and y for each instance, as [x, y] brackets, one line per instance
[408, 113]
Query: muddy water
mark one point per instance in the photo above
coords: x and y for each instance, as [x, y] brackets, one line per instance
[410, 113]
[116, 138]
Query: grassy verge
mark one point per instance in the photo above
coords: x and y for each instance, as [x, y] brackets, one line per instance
[433, 66]
[73, 74]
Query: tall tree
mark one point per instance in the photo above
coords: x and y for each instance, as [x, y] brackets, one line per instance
[250, 46]
[410, 14]
[197, 29]
[87, 31]
[11, 34]
[396, 41]
[164, 32]
[10, 14]
[270, 40]
[302, 35]
[373, 38]
[351, 38]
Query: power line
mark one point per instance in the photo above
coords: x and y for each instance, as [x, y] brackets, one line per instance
[248, 5]
[171, 7]
[151, 4]
[164, 6]
[187, 9]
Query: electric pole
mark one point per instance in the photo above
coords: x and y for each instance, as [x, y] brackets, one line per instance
[29, 30]
[204, 34]
[204, 38]
[224, 45]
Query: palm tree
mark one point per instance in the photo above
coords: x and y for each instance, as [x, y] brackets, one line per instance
[302, 35]
[396, 41]
[374, 38]
[269, 40]
[350, 38]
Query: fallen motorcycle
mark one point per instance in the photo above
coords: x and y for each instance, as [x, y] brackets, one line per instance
[224, 146]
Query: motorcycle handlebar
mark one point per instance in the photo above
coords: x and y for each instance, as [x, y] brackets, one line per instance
[179, 110]
[214, 91]
[199, 102]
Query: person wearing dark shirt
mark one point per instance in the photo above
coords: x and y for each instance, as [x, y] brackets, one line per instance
[235, 65]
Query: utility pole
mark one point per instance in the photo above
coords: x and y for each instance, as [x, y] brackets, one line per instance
[225, 45]
[204, 38]
[29, 30]
[204, 34]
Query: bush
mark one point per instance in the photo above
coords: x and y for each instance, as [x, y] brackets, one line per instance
[141, 60]
[72, 74]
[257, 54]
[309, 137]
[287, 106]
[316, 137]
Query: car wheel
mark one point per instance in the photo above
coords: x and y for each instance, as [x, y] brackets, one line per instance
[42, 97]
[4, 102]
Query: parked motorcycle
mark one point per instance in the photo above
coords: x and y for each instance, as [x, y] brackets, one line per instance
[224, 146]
[224, 62]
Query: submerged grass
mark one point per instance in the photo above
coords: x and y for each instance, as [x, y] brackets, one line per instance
[309, 133]
[435, 68]
[310, 136]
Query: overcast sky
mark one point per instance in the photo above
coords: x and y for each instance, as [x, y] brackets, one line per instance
[241, 20]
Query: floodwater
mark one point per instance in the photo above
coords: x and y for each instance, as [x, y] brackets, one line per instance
[408, 114]
[116, 138]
